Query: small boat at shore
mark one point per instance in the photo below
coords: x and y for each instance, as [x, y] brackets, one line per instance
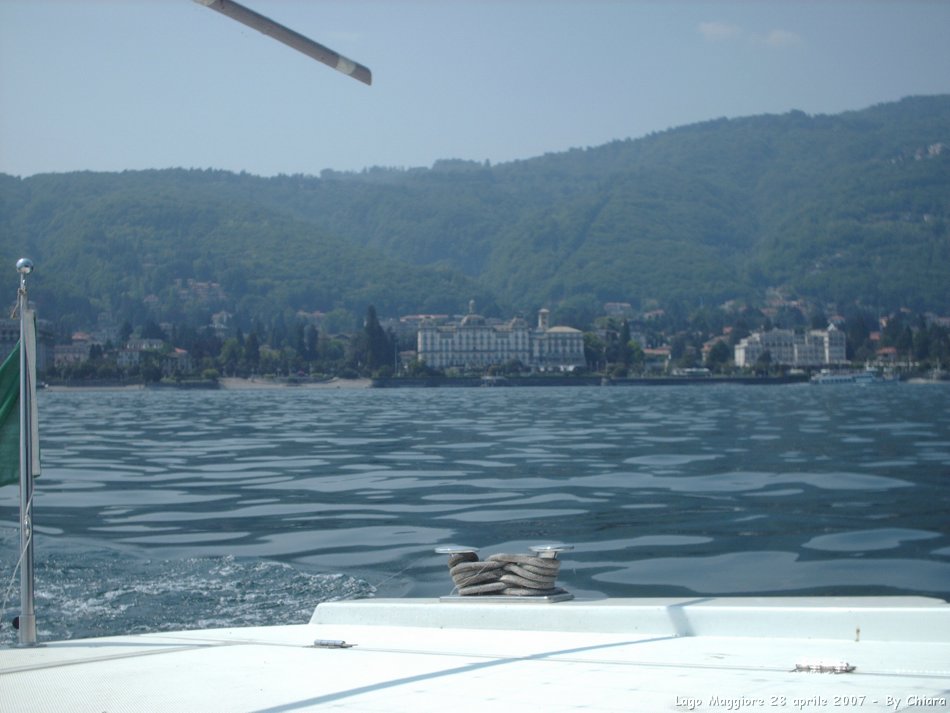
[868, 376]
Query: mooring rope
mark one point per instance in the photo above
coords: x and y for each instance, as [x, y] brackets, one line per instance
[504, 574]
[16, 568]
[405, 569]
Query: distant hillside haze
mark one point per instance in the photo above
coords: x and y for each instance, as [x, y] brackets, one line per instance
[843, 209]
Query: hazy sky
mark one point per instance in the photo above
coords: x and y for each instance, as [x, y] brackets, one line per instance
[108, 85]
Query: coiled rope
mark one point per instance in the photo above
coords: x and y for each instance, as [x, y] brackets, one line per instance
[504, 574]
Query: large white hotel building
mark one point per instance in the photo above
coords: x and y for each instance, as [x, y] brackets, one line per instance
[475, 344]
[819, 347]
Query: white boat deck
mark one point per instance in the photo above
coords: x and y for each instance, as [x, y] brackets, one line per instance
[425, 656]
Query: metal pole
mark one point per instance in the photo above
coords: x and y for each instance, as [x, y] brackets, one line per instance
[27, 626]
[290, 38]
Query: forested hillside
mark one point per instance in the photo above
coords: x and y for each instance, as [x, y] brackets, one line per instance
[846, 208]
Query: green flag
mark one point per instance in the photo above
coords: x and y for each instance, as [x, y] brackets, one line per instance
[10, 384]
[10, 418]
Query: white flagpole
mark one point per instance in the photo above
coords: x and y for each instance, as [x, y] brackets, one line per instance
[27, 623]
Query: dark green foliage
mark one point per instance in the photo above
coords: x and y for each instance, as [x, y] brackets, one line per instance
[719, 356]
[843, 209]
[373, 347]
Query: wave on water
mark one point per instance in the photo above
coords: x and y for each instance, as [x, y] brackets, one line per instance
[106, 593]
[168, 510]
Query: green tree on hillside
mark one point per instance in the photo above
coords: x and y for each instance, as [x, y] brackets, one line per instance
[719, 357]
[372, 349]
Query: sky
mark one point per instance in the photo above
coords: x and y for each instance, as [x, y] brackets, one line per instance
[111, 85]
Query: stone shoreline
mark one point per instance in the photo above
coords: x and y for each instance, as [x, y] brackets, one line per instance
[227, 384]
[236, 384]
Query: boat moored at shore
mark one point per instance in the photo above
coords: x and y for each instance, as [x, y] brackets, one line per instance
[868, 376]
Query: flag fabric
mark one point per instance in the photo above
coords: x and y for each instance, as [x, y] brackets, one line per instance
[10, 383]
[30, 329]
[10, 418]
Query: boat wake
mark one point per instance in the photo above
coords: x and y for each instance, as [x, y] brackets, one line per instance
[103, 592]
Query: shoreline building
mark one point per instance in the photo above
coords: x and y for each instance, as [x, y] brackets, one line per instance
[474, 343]
[10, 335]
[818, 347]
[555, 348]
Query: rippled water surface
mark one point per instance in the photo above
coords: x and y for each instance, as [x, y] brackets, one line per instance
[172, 509]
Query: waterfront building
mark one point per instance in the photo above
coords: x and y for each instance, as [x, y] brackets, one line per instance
[130, 356]
[818, 347]
[10, 335]
[475, 344]
[176, 362]
[68, 354]
[555, 348]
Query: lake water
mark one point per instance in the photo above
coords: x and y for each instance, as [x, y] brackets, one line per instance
[173, 509]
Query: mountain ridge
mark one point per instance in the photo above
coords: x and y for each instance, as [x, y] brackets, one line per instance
[838, 208]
